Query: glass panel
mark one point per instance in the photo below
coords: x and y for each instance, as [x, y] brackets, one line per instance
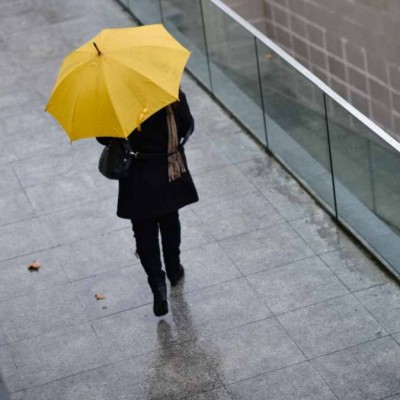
[184, 21]
[146, 11]
[296, 122]
[234, 71]
[367, 185]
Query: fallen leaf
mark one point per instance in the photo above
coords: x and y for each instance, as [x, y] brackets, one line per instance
[34, 265]
[100, 296]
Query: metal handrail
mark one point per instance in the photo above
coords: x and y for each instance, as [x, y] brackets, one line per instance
[390, 140]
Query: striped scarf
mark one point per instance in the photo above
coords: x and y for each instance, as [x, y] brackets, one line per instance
[176, 167]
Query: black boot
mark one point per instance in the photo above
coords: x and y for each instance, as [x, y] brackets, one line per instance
[175, 278]
[160, 306]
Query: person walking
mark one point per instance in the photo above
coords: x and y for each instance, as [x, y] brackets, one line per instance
[157, 186]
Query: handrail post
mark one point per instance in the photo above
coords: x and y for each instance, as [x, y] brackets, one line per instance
[330, 156]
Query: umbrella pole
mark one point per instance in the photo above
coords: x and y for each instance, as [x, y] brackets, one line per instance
[98, 50]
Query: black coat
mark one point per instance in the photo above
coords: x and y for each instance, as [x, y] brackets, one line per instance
[147, 192]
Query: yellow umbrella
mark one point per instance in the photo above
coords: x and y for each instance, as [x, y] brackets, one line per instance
[114, 82]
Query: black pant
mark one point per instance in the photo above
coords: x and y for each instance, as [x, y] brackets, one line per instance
[148, 248]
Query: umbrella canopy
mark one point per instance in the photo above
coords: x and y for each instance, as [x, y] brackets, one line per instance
[117, 80]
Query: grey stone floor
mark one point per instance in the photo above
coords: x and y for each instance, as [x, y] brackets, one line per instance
[278, 303]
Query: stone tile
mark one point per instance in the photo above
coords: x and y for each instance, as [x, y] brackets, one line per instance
[9, 181]
[224, 306]
[220, 184]
[16, 280]
[207, 265]
[123, 289]
[15, 206]
[45, 42]
[238, 147]
[36, 170]
[284, 193]
[22, 21]
[3, 339]
[81, 222]
[169, 373]
[217, 394]
[22, 237]
[252, 349]
[97, 255]
[219, 125]
[15, 102]
[238, 215]
[383, 302]
[367, 371]
[136, 332]
[194, 232]
[205, 157]
[63, 193]
[40, 312]
[266, 248]
[52, 356]
[300, 382]
[355, 268]
[320, 232]
[297, 285]
[100, 384]
[330, 326]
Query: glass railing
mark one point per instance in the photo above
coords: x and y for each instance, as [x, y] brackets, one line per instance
[345, 160]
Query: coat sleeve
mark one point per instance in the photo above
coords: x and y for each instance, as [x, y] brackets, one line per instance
[185, 118]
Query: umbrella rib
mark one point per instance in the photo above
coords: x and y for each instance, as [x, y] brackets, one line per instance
[134, 71]
[110, 98]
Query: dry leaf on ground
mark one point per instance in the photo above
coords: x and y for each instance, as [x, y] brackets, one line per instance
[34, 265]
[100, 296]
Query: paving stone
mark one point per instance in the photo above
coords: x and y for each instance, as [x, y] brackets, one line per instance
[81, 222]
[15, 206]
[16, 280]
[223, 306]
[367, 371]
[207, 265]
[22, 237]
[252, 349]
[223, 183]
[194, 232]
[238, 147]
[22, 21]
[123, 289]
[40, 312]
[296, 285]
[3, 339]
[169, 373]
[36, 170]
[136, 332]
[63, 193]
[266, 248]
[320, 232]
[9, 181]
[99, 384]
[284, 193]
[355, 268]
[330, 326]
[383, 302]
[242, 214]
[205, 157]
[97, 255]
[218, 394]
[300, 382]
[51, 356]
[45, 43]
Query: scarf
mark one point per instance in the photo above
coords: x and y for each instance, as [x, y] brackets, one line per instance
[176, 167]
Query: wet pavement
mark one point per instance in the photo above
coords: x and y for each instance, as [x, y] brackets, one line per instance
[277, 303]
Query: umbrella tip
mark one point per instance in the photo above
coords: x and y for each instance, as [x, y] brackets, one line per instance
[98, 50]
